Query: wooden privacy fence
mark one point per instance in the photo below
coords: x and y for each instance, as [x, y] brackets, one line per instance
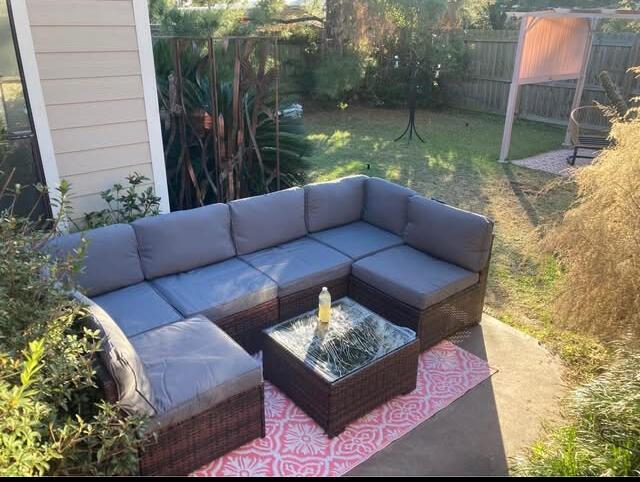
[492, 55]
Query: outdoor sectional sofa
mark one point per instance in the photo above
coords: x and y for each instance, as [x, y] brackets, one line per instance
[181, 298]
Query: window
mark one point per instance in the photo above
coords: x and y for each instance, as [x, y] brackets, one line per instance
[19, 155]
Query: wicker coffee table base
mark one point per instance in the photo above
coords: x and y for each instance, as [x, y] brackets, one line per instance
[334, 405]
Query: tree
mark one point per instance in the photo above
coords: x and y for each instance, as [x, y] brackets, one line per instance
[485, 14]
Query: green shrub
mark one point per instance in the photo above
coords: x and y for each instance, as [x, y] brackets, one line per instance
[336, 77]
[245, 106]
[125, 204]
[168, 19]
[52, 419]
[604, 435]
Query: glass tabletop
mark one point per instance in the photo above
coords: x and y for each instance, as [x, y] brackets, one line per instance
[353, 338]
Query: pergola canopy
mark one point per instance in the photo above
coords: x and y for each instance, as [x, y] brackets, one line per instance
[553, 44]
[553, 49]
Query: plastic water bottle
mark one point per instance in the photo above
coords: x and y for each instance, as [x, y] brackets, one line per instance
[324, 305]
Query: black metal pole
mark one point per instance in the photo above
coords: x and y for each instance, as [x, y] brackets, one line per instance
[412, 101]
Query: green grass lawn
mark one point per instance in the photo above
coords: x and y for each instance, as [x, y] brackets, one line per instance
[457, 164]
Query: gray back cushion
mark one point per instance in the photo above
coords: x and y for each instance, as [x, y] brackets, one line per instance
[334, 203]
[386, 205]
[184, 240]
[111, 259]
[121, 360]
[261, 222]
[448, 233]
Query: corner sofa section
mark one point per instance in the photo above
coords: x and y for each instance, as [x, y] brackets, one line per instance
[436, 281]
[179, 297]
[202, 391]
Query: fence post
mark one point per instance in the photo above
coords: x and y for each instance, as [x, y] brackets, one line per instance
[277, 67]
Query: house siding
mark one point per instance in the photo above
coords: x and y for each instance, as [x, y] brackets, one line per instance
[88, 60]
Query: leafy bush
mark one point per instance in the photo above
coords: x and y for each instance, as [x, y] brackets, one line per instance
[336, 77]
[604, 437]
[597, 241]
[52, 419]
[393, 39]
[125, 204]
[246, 124]
[440, 61]
[167, 19]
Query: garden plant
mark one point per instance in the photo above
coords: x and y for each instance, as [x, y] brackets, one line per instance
[52, 418]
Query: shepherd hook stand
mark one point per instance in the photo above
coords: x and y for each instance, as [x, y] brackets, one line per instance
[411, 125]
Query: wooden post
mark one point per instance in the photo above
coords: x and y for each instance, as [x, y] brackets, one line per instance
[277, 67]
[513, 92]
[577, 97]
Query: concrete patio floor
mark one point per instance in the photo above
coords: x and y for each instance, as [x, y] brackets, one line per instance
[479, 433]
[555, 162]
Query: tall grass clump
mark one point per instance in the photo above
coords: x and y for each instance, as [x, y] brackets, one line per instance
[598, 246]
[598, 241]
[603, 436]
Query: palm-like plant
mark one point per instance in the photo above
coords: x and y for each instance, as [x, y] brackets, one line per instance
[219, 122]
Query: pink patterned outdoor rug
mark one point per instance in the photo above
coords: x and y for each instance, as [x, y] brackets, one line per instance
[296, 446]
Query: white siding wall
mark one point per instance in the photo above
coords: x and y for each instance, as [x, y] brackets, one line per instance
[89, 65]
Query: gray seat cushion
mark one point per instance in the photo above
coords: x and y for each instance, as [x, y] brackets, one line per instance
[413, 277]
[184, 240]
[358, 239]
[193, 365]
[111, 259]
[386, 205]
[300, 264]
[448, 233]
[334, 203]
[217, 290]
[121, 360]
[261, 222]
[137, 308]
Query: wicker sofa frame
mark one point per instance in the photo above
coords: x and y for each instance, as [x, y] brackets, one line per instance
[184, 447]
[179, 449]
[246, 327]
[437, 322]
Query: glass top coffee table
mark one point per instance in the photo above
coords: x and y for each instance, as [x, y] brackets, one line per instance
[339, 371]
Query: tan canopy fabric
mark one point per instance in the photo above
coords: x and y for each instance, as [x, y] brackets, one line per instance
[553, 49]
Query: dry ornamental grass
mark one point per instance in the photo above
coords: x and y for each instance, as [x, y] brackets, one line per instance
[598, 241]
